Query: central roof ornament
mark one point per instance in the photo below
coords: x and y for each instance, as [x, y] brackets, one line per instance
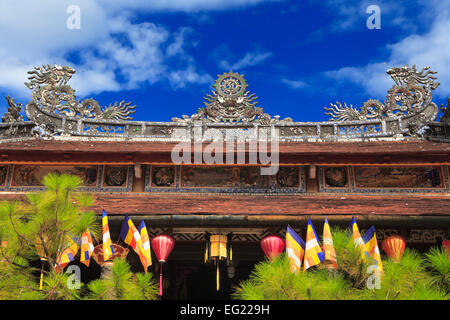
[231, 102]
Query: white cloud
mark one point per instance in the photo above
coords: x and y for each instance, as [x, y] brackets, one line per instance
[429, 49]
[177, 46]
[179, 5]
[182, 78]
[250, 59]
[109, 52]
[294, 84]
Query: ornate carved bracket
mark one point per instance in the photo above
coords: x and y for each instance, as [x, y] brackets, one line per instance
[446, 112]
[231, 102]
[51, 93]
[13, 114]
[409, 99]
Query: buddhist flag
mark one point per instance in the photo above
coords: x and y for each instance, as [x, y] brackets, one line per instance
[108, 250]
[67, 255]
[145, 243]
[359, 242]
[295, 248]
[370, 239]
[328, 247]
[87, 247]
[131, 236]
[313, 253]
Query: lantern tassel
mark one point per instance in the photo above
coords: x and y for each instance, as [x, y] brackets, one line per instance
[160, 279]
[217, 263]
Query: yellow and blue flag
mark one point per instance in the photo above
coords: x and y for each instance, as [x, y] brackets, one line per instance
[358, 241]
[313, 253]
[131, 236]
[108, 250]
[87, 247]
[145, 243]
[328, 246]
[370, 239]
[295, 249]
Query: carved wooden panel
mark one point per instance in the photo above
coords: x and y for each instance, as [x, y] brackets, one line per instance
[162, 176]
[116, 178]
[336, 177]
[3, 175]
[31, 176]
[398, 177]
[383, 179]
[220, 179]
[94, 177]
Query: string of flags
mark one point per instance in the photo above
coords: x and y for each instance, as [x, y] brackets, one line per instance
[297, 250]
[312, 254]
[131, 236]
[138, 239]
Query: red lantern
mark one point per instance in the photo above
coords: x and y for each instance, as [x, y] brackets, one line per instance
[162, 246]
[446, 246]
[394, 246]
[272, 246]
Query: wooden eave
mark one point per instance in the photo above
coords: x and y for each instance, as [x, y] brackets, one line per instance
[300, 153]
[267, 205]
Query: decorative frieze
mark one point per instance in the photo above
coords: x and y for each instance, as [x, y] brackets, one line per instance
[383, 179]
[95, 177]
[415, 236]
[223, 179]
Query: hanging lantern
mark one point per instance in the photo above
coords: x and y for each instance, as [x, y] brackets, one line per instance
[446, 246]
[162, 246]
[394, 246]
[218, 247]
[272, 246]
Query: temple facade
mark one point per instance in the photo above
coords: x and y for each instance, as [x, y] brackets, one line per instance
[231, 169]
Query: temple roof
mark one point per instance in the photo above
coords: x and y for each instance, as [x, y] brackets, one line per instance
[229, 112]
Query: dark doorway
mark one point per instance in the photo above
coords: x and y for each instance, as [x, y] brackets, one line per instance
[188, 277]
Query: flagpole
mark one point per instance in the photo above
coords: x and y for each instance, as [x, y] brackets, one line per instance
[42, 274]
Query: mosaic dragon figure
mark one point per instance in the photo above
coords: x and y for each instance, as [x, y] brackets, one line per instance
[51, 92]
[13, 113]
[410, 95]
[445, 112]
[231, 102]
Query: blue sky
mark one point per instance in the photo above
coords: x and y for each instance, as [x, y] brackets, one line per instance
[297, 56]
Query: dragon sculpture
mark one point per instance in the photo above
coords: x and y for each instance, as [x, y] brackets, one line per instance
[13, 113]
[445, 112]
[51, 92]
[231, 102]
[411, 94]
